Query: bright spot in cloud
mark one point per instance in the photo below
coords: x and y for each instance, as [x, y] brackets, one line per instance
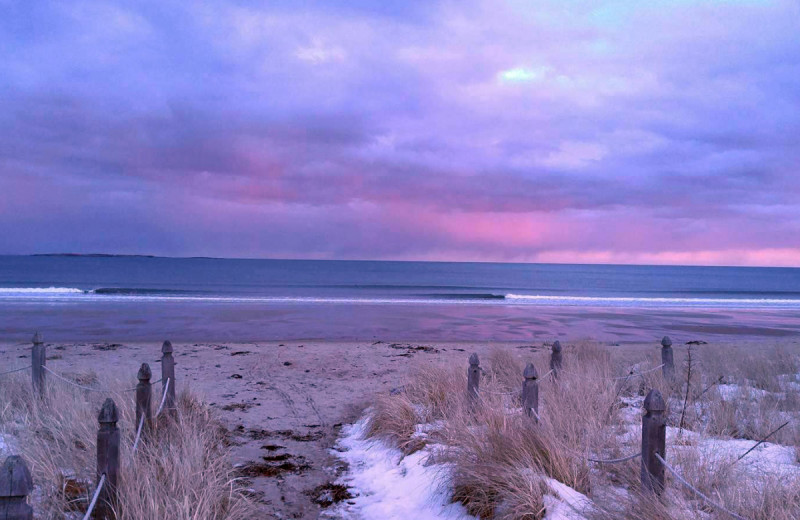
[523, 74]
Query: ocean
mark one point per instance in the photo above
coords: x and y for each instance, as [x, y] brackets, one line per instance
[104, 298]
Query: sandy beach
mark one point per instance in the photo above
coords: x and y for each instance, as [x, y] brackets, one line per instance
[284, 402]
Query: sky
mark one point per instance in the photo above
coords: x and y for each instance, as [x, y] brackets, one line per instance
[648, 132]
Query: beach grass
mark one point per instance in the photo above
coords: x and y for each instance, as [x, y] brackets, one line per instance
[501, 463]
[181, 471]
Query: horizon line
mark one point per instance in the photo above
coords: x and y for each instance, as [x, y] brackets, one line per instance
[201, 257]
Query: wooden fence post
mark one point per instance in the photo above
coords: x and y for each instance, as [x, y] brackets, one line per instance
[668, 370]
[555, 358]
[107, 460]
[530, 392]
[15, 486]
[473, 376]
[654, 440]
[168, 374]
[38, 359]
[144, 398]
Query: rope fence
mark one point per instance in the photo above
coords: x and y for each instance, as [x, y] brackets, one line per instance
[615, 461]
[138, 436]
[93, 503]
[696, 491]
[617, 378]
[164, 397]
[634, 374]
[15, 370]
[84, 387]
[654, 421]
[73, 383]
[108, 433]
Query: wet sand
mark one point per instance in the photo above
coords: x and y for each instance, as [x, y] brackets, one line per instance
[220, 322]
[284, 401]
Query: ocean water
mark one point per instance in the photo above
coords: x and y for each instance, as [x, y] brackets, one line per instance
[93, 298]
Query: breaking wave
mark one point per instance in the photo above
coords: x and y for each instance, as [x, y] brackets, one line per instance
[40, 290]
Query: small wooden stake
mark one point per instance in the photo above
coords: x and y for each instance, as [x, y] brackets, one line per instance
[38, 359]
[654, 440]
[473, 377]
[107, 460]
[144, 398]
[15, 486]
[555, 358]
[168, 374]
[530, 392]
[668, 370]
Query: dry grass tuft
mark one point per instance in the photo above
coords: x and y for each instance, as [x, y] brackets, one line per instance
[181, 472]
[393, 419]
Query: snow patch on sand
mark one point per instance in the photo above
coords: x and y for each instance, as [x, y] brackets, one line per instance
[566, 504]
[389, 486]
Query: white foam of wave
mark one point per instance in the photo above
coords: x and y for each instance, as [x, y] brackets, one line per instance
[631, 299]
[55, 294]
[39, 290]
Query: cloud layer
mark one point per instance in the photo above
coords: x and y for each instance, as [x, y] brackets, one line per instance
[634, 132]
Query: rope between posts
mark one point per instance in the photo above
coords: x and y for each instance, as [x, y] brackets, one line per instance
[639, 373]
[73, 383]
[697, 491]
[498, 393]
[630, 374]
[15, 370]
[138, 435]
[545, 375]
[614, 461]
[164, 397]
[539, 378]
[94, 498]
[59, 376]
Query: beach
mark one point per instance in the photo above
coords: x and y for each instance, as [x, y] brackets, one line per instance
[284, 402]
[289, 354]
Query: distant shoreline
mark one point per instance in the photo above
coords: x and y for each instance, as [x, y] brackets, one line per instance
[123, 255]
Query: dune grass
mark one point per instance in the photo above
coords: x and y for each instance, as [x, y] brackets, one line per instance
[499, 460]
[180, 472]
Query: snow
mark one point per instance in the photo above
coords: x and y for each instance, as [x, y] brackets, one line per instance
[766, 459]
[792, 386]
[566, 504]
[389, 486]
[733, 392]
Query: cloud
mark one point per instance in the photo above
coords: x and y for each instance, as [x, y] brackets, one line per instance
[471, 130]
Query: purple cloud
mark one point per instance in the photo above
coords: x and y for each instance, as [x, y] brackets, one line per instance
[628, 132]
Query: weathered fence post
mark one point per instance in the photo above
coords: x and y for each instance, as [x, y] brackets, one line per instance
[555, 358]
[473, 376]
[38, 359]
[168, 374]
[668, 370]
[654, 440]
[530, 392]
[15, 486]
[107, 460]
[144, 398]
